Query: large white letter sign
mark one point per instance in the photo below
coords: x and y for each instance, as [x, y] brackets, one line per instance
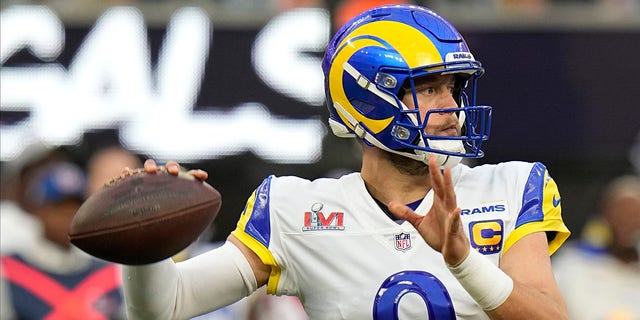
[110, 83]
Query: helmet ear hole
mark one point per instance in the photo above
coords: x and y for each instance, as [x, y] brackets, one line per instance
[362, 107]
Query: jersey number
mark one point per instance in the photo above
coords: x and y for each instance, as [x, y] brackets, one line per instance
[424, 284]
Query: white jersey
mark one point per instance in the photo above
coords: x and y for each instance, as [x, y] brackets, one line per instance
[331, 244]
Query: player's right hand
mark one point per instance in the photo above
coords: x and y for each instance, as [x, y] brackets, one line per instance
[172, 167]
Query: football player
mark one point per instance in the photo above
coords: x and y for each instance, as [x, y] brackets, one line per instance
[415, 234]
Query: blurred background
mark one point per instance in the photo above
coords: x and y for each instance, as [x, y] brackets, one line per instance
[235, 87]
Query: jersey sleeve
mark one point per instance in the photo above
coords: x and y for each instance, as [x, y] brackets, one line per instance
[254, 230]
[540, 210]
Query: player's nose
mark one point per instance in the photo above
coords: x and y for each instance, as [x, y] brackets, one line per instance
[447, 101]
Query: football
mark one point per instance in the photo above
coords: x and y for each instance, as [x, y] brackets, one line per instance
[140, 218]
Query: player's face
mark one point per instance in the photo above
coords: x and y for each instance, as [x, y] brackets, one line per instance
[56, 220]
[435, 92]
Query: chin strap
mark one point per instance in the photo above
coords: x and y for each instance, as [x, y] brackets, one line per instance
[446, 161]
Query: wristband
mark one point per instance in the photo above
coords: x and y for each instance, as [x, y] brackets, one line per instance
[483, 280]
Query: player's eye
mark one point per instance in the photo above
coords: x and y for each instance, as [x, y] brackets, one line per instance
[427, 90]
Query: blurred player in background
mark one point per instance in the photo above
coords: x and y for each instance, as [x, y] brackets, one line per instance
[415, 234]
[18, 227]
[46, 277]
[599, 274]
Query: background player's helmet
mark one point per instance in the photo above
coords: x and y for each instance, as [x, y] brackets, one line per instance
[375, 56]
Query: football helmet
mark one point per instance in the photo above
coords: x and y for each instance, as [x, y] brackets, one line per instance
[376, 57]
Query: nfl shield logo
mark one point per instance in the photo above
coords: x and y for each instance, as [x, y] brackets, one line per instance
[403, 241]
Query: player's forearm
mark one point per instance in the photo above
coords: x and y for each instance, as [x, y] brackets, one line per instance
[179, 291]
[501, 296]
[150, 290]
[529, 303]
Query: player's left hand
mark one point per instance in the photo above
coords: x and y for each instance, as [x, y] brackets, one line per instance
[441, 227]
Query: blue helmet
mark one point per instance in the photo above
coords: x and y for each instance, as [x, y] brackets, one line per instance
[371, 62]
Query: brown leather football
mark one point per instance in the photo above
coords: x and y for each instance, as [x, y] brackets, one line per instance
[140, 218]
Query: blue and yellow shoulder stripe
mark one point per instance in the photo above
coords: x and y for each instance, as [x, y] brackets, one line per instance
[254, 230]
[541, 210]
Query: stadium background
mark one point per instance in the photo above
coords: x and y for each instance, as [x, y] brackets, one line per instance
[562, 78]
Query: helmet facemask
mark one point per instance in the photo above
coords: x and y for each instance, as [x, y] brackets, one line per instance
[473, 121]
[407, 130]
